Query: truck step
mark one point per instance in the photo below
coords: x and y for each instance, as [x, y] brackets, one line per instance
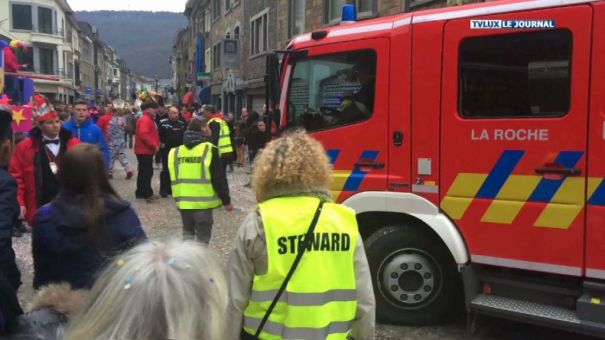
[591, 305]
[535, 313]
[499, 304]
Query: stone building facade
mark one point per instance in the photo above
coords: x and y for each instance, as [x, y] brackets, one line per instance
[227, 75]
[260, 26]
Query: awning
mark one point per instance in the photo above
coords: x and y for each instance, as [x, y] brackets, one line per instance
[46, 88]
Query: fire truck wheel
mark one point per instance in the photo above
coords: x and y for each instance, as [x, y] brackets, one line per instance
[414, 276]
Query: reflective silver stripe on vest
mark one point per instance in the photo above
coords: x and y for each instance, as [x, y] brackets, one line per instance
[300, 332]
[190, 181]
[176, 162]
[224, 136]
[204, 155]
[306, 299]
[225, 146]
[195, 199]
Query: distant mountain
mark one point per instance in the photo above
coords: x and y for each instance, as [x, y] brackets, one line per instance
[143, 39]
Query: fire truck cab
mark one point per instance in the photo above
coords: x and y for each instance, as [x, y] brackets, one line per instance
[470, 141]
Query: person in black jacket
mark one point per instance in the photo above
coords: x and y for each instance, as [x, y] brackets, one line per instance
[171, 130]
[9, 208]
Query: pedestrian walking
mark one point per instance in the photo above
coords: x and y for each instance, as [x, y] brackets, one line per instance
[156, 291]
[93, 111]
[258, 137]
[147, 143]
[82, 127]
[250, 128]
[84, 226]
[131, 123]
[105, 117]
[198, 181]
[162, 113]
[171, 130]
[37, 159]
[220, 134]
[301, 249]
[116, 132]
[9, 207]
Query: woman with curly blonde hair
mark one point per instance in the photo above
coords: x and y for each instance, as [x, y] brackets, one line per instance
[300, 249]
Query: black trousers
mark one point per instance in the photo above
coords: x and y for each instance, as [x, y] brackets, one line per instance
[144, 176]
[165, 188]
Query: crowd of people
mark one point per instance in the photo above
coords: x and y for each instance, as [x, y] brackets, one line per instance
[297, 269]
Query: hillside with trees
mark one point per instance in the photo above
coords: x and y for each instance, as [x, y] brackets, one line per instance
[143, 39]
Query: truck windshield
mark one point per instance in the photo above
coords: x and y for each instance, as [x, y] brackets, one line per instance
[332, 90]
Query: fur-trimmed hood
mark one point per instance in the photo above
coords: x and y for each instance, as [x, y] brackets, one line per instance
[59, 297]
[49, 313]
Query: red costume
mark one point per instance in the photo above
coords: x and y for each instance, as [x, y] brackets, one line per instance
[25, 168]
[10, 60]
[147, 137]
[103, 122]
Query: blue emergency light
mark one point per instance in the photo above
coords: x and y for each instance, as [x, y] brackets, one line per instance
[349, 14]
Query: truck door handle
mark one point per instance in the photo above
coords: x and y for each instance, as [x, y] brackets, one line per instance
[375, 165]
[398, 138]
[558, 171]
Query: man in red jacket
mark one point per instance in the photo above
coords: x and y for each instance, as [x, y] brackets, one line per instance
[37, 160]
[147, 144]
[103, 122]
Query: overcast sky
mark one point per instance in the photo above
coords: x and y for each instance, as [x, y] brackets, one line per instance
[128, 5]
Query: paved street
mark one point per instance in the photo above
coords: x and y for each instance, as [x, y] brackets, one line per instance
[162, 221]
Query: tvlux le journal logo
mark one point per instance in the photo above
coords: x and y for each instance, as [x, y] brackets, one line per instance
[512, 24]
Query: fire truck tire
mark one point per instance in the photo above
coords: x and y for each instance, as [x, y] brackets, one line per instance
[414, 276]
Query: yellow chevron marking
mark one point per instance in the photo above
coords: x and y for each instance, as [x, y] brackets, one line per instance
[511, 199]
[518, 188]
[461, 194]
[455, 207]
[339, 178]
[566, 205]
[559, 216]
[571, 191]
[593, 184]
[502, 212]
[466, 185]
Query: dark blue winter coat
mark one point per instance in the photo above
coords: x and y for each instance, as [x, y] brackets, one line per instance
[63, 249]
[9, 212]
[89, 132]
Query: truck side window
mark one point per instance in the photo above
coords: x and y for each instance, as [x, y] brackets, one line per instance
[516, 75]
[332, 90]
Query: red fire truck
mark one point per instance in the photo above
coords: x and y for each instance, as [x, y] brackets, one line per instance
[471, 143]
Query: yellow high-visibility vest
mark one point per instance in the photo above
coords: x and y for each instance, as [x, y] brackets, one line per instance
[224, 138]
[320, 301]
[190, 177]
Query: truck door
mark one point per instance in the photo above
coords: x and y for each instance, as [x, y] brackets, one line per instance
[513, 136]
[339, 93]
[595, 209]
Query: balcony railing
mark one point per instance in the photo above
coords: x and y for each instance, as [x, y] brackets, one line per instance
[59, 73]
[53, 31]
